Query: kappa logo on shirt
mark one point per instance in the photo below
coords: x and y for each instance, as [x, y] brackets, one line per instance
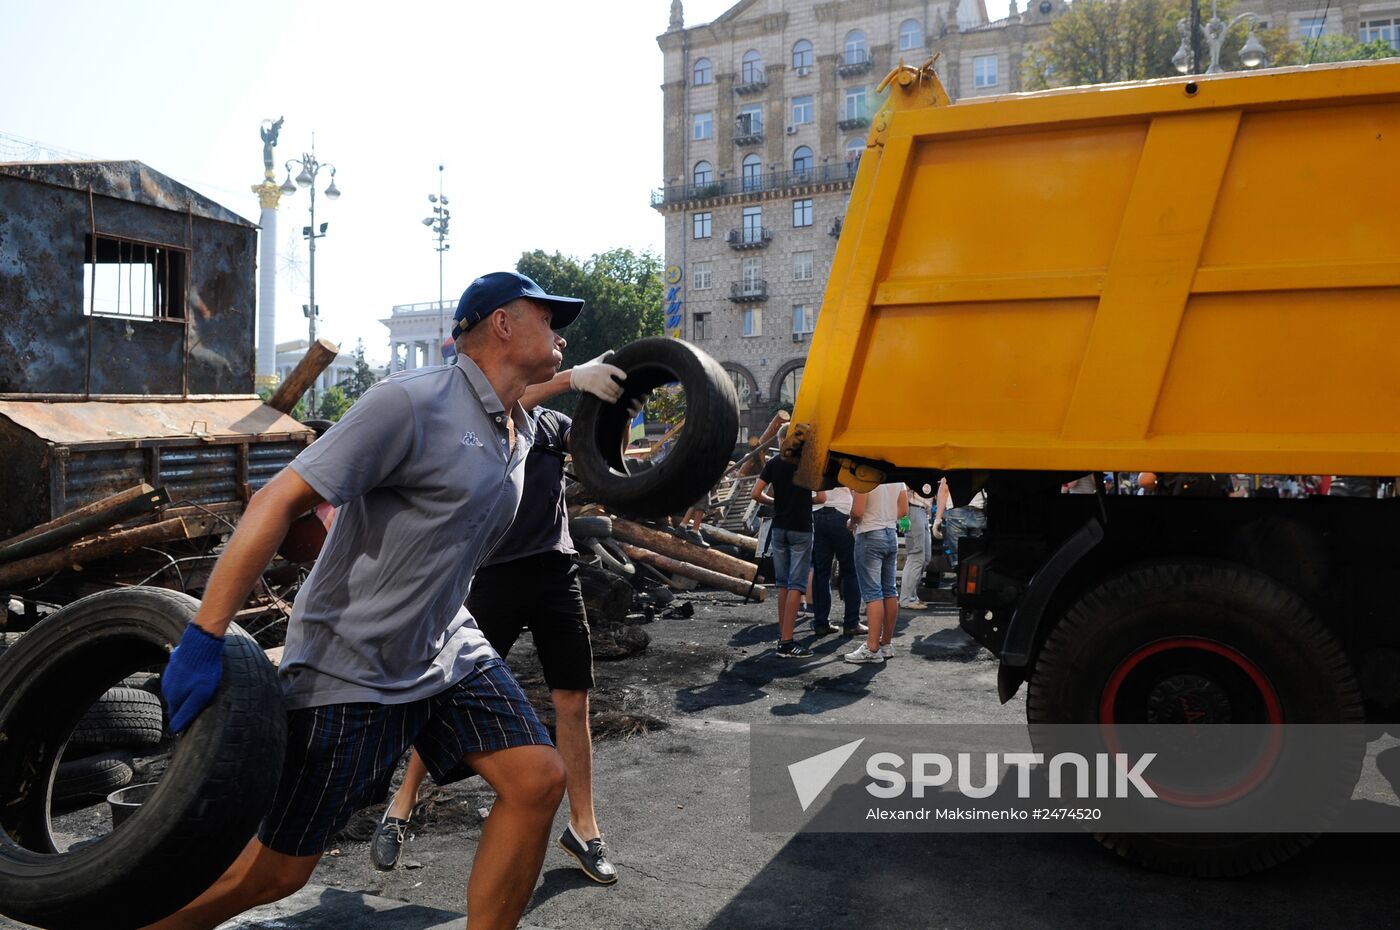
[471, 439]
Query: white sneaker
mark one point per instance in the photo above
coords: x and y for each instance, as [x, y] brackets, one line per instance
[914, 605]
[887, 651]
[862, 654]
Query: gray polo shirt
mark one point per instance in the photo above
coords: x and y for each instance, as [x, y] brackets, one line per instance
[424, 484]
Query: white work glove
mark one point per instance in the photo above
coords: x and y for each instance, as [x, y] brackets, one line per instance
[598, 378]
[938, 528]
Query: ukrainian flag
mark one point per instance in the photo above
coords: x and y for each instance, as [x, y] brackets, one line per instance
[639, 427]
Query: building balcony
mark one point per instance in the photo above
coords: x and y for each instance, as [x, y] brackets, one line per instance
[852, 122]
[751, 134]
[854, 63]
[834, 230]
[755, 83]
[838, 173]
[748, 292]
[741, 239]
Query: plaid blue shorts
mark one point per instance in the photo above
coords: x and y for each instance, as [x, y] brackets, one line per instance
[341, 757]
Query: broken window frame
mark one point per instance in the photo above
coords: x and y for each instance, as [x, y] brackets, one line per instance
[164, 278]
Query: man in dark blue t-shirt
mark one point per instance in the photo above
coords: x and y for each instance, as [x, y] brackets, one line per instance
[791, 543]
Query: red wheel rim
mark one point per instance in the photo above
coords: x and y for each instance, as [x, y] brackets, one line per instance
[1273, 711]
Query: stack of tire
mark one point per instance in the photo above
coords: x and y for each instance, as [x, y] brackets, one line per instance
[599, 552]
[99, 756]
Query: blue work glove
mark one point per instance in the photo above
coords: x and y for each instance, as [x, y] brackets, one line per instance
[190, 679]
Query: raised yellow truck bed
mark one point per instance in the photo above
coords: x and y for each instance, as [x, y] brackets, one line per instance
[1197, 274]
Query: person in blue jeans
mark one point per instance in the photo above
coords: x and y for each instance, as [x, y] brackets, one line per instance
[831, 538]
[873, 518]
[791, 543]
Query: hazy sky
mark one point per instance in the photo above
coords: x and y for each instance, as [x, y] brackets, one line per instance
[546, 114]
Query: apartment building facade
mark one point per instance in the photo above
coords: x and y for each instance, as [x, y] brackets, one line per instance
[766, 112]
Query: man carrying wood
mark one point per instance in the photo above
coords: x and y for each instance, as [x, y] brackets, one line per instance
[531, 579]
[426, 472]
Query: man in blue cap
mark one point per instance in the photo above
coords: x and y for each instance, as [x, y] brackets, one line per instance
[425, 473]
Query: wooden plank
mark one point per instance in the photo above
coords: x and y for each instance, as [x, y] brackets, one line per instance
[73, 556]
[84, 521]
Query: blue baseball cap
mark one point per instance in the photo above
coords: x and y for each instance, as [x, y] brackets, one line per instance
[490, 292]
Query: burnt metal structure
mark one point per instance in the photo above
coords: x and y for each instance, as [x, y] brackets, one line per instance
[127, 307]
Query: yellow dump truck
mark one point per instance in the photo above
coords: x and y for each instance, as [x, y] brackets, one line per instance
[1196, 275]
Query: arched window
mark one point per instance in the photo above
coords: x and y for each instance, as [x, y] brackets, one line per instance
[703, 174]
[853, 52]
[802, 159]
[789, 385]
[753, 172]
[911, 35]
[703, 73]
[802, 57]
[751, 68]
[743, 386]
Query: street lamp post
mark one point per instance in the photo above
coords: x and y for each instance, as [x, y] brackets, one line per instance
[1188, 56]
[438, 224]
[310, 167]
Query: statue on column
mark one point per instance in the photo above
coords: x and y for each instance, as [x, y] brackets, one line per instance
[677, 17]
[269, 131]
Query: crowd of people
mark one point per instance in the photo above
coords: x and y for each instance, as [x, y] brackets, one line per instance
[442, 490]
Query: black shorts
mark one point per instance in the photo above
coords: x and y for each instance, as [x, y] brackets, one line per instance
[540, 592]
[340, 757]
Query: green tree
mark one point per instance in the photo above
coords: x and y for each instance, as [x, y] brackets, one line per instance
[623, 296]
[333, 402]
[360, 379]
[1102, 41]
[1342, 48]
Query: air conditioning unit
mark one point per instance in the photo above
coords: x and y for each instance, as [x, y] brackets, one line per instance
[791, 130]
[797, 337]
[803, 72]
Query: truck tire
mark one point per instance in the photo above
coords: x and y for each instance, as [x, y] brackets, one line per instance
[701, 451]
[1248, 648]
[91, 778]
[220, 779]
[121, 717]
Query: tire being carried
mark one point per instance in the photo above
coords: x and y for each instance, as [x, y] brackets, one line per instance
[701, 451]
[220, 780]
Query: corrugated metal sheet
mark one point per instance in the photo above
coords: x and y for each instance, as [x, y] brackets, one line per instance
[111, 422]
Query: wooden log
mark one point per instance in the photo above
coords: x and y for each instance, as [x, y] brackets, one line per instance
[744, 589]
[307, 371]
[724, 537]
[91, 550]
[666, 544]
[752, 460]
[82, 522]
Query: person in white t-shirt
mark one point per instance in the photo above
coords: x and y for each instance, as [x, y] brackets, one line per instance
[873, 518]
